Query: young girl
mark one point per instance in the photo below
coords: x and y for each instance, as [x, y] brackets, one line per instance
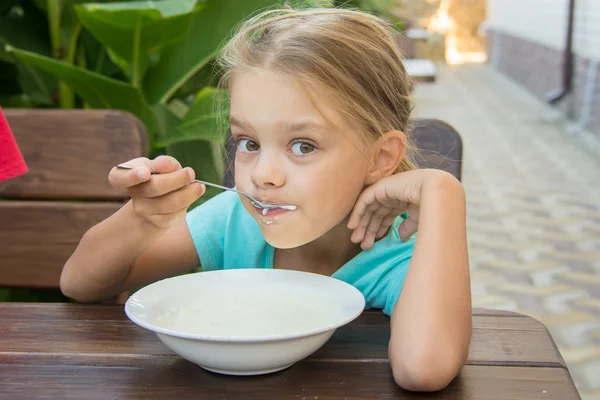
[319, 107]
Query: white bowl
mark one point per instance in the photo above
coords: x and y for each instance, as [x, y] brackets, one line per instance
[245, 321]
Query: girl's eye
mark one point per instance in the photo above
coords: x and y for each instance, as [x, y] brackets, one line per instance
[247, 146]
[302, 148]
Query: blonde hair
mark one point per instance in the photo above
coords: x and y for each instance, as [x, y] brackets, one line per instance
[348, 57]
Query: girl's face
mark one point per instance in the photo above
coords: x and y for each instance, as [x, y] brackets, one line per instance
[288, 154]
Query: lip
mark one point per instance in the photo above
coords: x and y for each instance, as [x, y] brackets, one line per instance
[271, 212]
[275, 203]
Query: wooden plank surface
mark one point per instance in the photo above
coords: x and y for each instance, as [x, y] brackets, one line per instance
[80, 334]
[70, 152]
[37, 238]
[306, 380]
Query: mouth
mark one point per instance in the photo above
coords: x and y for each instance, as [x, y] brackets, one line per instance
[272, 212]
[277, 209]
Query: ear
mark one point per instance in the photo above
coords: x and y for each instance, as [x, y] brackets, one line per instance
[387, 154]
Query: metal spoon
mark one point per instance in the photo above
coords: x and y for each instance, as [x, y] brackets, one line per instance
[255, 203]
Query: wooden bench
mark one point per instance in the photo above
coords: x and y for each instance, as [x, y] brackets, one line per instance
[45, 212]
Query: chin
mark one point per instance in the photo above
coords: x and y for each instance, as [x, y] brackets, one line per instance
[280, 237]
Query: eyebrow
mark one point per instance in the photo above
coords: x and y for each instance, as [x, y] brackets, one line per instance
[291, 127]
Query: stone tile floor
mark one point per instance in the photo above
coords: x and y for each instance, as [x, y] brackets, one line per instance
[533, 208]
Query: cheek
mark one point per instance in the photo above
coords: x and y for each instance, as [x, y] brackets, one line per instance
[329, 193]
[334, 194]
[241, 175]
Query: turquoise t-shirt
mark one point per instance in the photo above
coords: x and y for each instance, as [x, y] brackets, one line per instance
[227, 237]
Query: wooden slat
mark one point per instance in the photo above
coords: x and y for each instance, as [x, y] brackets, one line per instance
[70, 152]
[37, 238]
[305, 380]
[79, 335]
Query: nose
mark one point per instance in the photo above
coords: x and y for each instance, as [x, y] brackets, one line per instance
[268, 171]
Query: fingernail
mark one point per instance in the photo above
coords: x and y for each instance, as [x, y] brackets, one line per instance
[142, 173]
[191, 173]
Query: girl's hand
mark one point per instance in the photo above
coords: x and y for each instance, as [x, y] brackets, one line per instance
[379, 205]
[159, 199]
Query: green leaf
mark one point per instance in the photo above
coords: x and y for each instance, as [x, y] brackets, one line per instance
[96, 90]
[19, 88]
[206, 103]
[8, 83]
[97, 59]
[38, 85]
[179, 108]
[206, 76]
[166, 120]
[200, 155]
[135, 30]
[6, 5]
[209, 28]
[41, 4]
[28, 30]
[203, 120]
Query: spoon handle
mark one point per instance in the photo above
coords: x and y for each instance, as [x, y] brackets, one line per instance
[123, 166]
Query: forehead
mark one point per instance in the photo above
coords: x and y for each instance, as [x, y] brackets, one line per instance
[265, 98]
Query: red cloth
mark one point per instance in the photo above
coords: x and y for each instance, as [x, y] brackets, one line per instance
[11, 159]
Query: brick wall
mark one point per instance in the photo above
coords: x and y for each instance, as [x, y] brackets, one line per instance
[526, 38]
[538, 68]
[545, 22]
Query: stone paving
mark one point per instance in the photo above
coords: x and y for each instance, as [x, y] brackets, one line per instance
[533, 208]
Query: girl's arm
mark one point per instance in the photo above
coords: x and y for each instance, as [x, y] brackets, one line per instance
[146, 240]
[431, 321]
[124, 252]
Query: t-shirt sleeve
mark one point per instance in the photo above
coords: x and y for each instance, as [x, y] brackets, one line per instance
[208, 226]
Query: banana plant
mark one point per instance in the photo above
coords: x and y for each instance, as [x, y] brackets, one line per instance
[163, 52]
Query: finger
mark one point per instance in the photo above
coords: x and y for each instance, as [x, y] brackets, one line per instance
[161, 184]
[170, 203]
[165, 164]
[385, 225]
[360, 231]
[138, 162]
[367, 243]
[124, 178]
[374, 225]
[360, 207]
[408, 228]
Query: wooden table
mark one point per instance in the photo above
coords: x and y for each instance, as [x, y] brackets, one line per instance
[70, 351]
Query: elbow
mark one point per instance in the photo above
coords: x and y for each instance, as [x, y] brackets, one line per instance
[70, 288]
[426, 372]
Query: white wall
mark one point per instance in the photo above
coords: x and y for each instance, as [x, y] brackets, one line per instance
[545, 22]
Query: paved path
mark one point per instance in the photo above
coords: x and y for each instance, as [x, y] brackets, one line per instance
[533, 209]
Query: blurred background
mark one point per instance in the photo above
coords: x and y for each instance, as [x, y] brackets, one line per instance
[517, 79]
